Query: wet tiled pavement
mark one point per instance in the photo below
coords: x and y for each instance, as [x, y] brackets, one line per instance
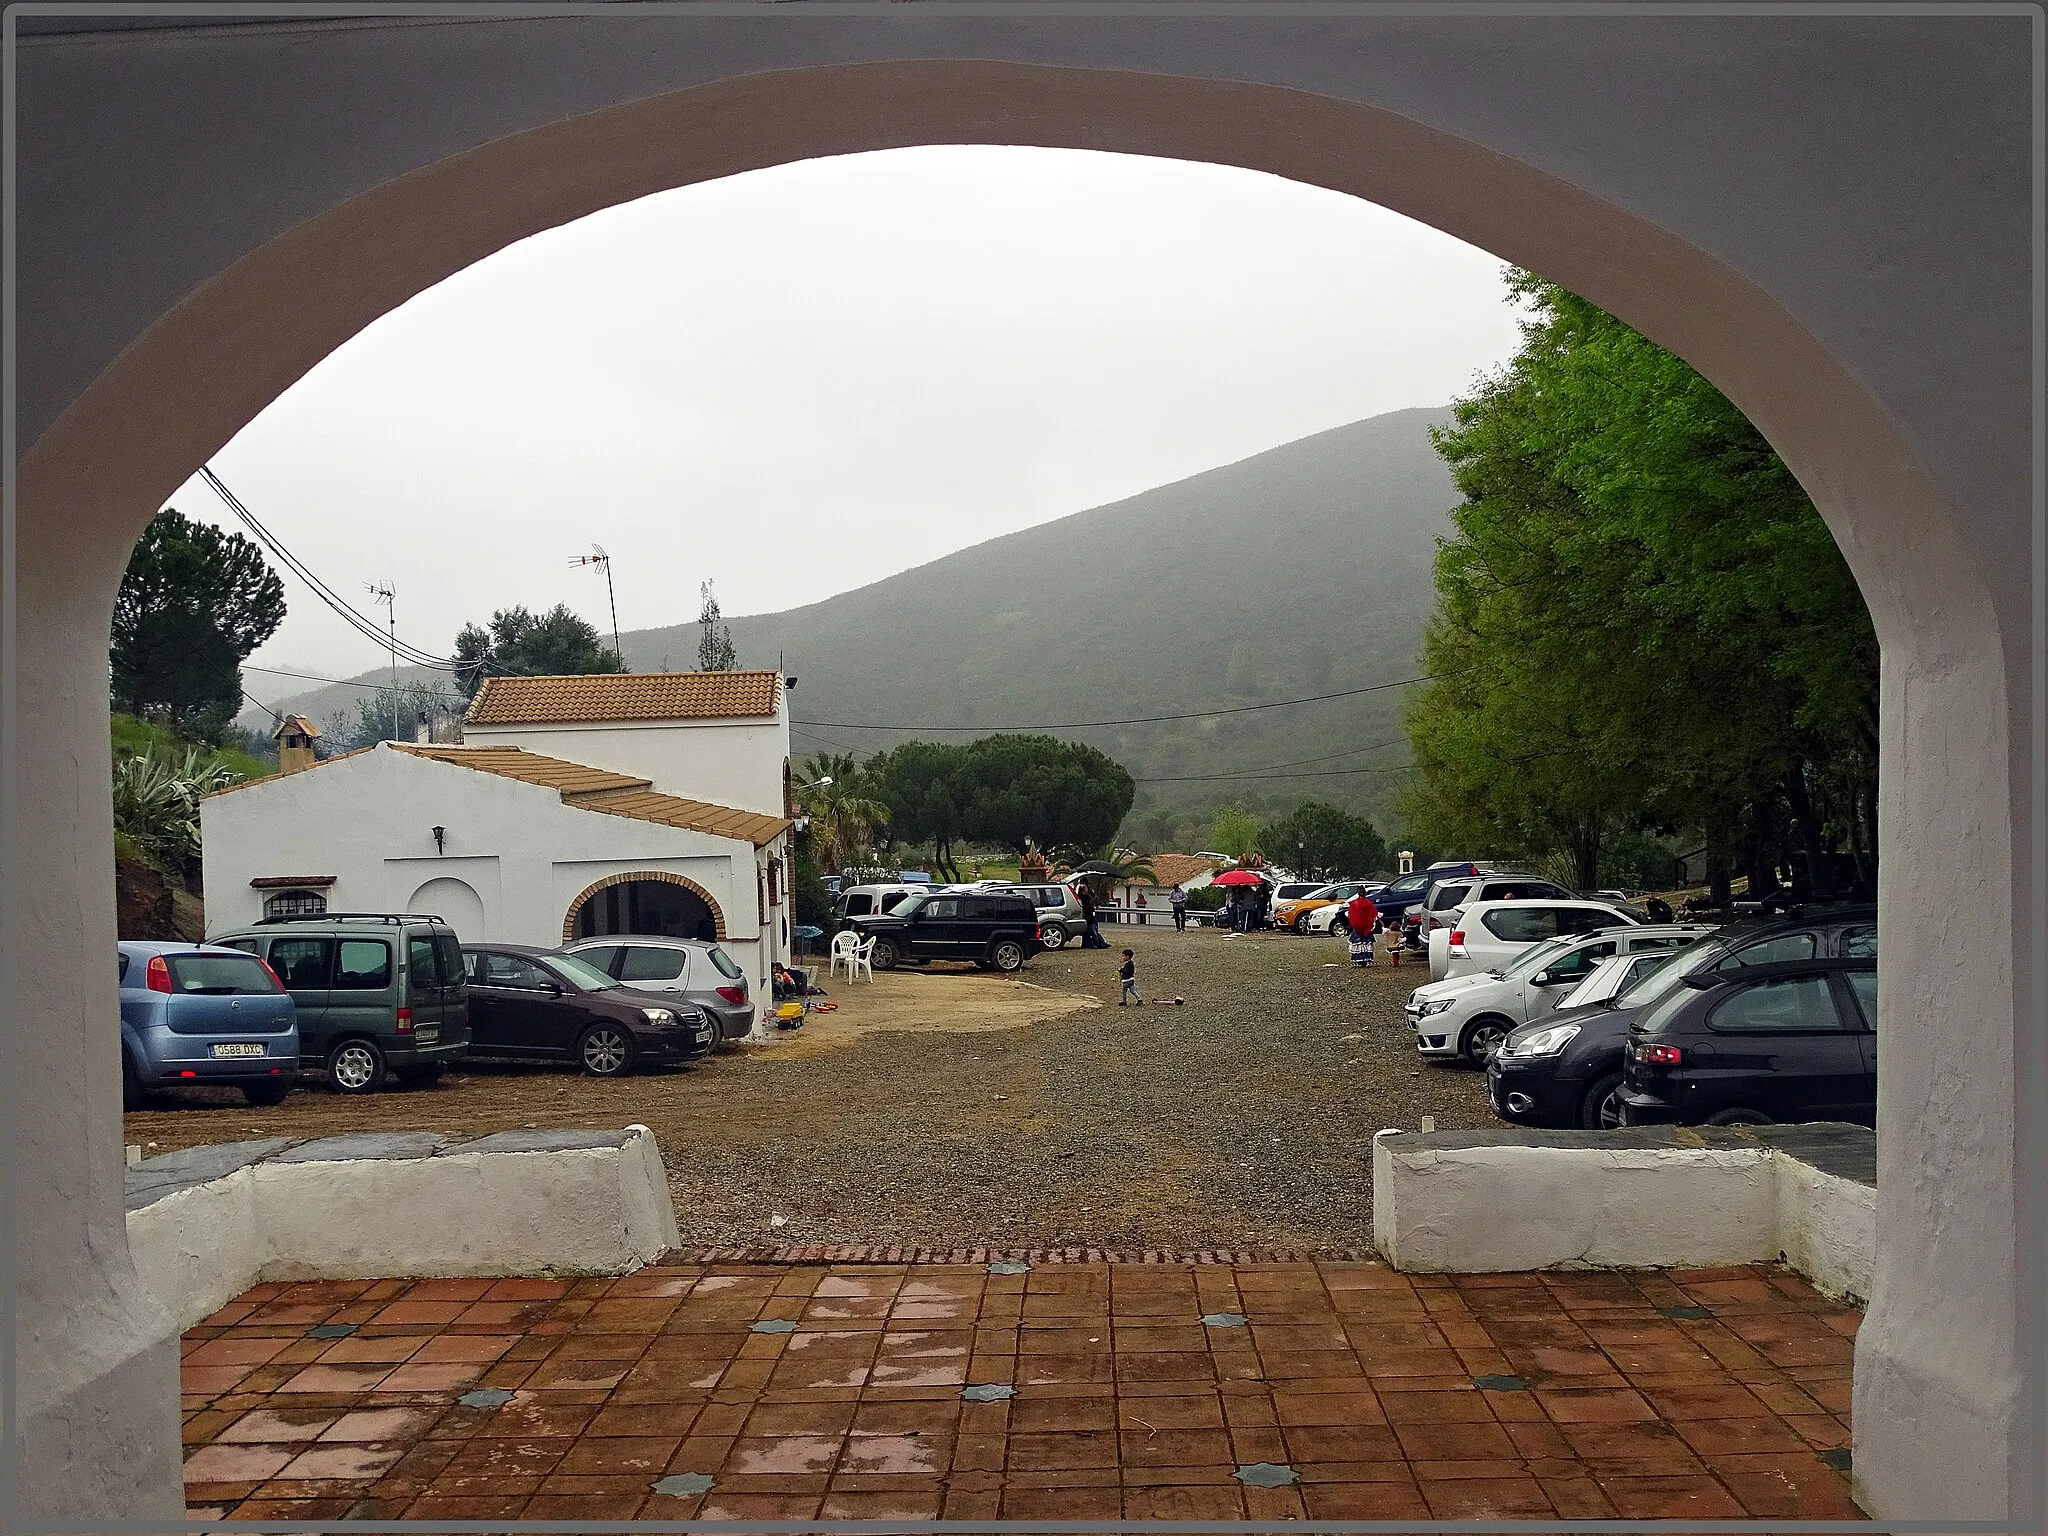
[1136, 1391]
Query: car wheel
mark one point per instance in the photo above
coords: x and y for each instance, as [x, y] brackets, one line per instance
[884, 957]
[1053, 936]
[1738, 1117]
[131, 1085]
[1483, 1037]
[1300, 924]
[268, 1094]
[1340, 927]
[356, 1066]
[604, 1050]
[1600, 1109]
[422, 1074]
[1007, 955]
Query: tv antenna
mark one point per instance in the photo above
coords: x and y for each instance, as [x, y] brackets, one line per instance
[389, 600]
[598, 557]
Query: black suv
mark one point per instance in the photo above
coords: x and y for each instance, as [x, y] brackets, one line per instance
[1756, 1046]
[995, 930]
[1565, 1069]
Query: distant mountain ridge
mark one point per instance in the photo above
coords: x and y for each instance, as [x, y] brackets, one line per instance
[1303, 570]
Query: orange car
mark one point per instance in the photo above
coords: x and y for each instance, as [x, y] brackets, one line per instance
[1295, 914]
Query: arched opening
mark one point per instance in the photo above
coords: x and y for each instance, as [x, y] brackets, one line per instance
[644, 902]
[91, 481]
[454, 901]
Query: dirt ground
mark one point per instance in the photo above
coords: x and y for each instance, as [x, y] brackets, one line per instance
[949, 1107]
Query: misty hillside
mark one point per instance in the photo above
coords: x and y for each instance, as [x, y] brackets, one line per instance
[1302, 570]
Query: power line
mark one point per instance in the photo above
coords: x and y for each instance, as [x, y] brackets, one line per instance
[362, 624]
[1082, 725]
[342, 682]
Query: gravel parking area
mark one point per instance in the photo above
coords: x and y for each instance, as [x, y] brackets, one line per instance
[1240, 1118]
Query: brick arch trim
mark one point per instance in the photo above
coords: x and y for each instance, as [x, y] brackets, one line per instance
[576, 907]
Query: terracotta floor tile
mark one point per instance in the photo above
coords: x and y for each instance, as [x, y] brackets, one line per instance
[237, 1463]
[1436, 1408]
[587, 1506]
[1172, 1411]
[1391, 1500]
[906, 1454]
[1456, 1442]
[785, 1453]
[1479, 1498]
[1078, 1448]
[1062, 1504]
[617, 1455]
[1596, 1405]
[1631, 1442]
[1174, 1447]
[365, 1462]
[1670, 1498]
[1722, 1437]
[1212, 1502]
[1055, 1414]
[383, 1425]
[1341, 1443]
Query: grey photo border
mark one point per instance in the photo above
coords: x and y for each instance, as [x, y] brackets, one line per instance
[2032, 1068]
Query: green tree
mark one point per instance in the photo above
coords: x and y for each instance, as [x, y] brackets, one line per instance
[922, 783]
[519, 644]
[1025, 791]
[388, 716]
[833, 792]
[1235, 832]
[194, 602]
[715, 651]
[1643, 619]
[1320, 838]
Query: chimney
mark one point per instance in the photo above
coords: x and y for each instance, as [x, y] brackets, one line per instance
[295, 735]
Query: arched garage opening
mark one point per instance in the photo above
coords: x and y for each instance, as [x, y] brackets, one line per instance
[1937, 1358]
[644, 901]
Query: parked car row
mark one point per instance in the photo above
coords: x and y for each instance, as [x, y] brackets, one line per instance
[1764, 1020]
[366, 998]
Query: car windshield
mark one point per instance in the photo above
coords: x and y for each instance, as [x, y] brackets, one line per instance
[222, 975]
[1659, 982]
[724, 962]
[581, 974]
[907, 906]
[1532, 960]
[1325, 893]
[1411, 882]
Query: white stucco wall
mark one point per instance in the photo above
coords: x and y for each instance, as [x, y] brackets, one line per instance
[727, 762]
[1446, 1205]
[368, 821]
[593, 1210]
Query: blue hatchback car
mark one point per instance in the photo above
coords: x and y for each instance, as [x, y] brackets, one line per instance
[197, 1015]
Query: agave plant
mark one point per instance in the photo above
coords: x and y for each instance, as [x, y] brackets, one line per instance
[156, 802]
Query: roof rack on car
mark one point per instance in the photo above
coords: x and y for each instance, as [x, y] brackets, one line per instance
[394, 918]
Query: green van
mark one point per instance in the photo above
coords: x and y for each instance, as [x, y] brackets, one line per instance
[377, 993]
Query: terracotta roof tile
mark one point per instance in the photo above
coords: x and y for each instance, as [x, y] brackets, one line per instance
[625, 696]
[1169, 869]
[612, 794]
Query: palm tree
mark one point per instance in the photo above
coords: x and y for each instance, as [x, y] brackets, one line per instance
[843, 818]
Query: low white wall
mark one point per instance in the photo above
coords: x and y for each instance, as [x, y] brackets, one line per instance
[497, 1211]
[1531, 1207]
[1827, 1228]
[1487, 1202]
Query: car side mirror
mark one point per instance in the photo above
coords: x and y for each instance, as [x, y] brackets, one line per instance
[1544, 979]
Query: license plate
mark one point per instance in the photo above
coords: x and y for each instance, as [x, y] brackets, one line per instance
[427, 1036]
[238, 1049]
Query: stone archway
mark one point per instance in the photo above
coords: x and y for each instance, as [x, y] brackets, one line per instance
[1939, 1404]
[573, 919]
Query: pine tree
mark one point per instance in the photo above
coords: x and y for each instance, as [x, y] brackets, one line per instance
[715, 651]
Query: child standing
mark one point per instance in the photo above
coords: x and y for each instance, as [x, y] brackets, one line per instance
[1127, 973]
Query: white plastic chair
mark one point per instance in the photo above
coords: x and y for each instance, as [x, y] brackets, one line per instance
[862, 959]
[844, 946]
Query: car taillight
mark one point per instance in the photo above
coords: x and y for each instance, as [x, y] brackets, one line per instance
[1659, 1055]
[1457, 938]
[271, 974]
[733, 994]
[405, 1021]
[159, 974]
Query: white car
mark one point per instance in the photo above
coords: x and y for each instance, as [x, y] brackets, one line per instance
[1470, 1015]
[1488, 934]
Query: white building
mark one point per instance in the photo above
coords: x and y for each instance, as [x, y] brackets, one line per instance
[513, 840]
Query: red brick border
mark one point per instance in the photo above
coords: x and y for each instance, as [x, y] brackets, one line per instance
[843, 1253]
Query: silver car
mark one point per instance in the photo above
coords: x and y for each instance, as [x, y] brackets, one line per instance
[1060, 918]
[705, 975]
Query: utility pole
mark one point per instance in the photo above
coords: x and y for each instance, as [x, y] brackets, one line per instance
[389, 599]
[598, 557]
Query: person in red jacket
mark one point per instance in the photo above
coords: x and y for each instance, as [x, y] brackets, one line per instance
[1363, 917]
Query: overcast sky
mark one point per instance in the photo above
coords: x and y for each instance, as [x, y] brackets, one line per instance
[801, 380]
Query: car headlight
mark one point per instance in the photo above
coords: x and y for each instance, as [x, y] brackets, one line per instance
[660, 1018]
[1544, 1042]
[1433, 1006]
